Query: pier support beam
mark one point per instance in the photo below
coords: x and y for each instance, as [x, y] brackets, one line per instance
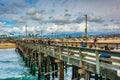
[39, 66]
[61, 65]
[47, 66]
[75, 74]
[54, 66]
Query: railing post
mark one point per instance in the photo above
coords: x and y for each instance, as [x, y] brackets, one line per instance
[68, 51]
[60, 52]
[53, 51]
[117, 46]
[39, 47]
[42, 48]
[46, 51]
[97, 62]
[49, 48]
[81, 58]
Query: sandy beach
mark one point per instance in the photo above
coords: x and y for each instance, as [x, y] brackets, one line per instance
[7, 45]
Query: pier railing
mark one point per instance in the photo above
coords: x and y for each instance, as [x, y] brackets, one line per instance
[112, 45]
[85, 58]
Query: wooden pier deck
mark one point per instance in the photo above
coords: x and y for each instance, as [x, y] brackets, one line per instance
[83, 60]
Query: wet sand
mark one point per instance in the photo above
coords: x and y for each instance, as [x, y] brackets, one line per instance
[7, 45]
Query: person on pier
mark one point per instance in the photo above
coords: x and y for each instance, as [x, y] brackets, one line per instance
[95, 41]
[91, 45]
[106, 55]
[49, 42]
[82, 43]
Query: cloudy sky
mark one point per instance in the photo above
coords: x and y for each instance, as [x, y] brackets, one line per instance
[59, 16]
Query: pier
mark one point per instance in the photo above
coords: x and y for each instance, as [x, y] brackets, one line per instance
[52, 59]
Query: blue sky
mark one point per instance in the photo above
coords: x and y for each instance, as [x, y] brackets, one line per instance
[59, 16]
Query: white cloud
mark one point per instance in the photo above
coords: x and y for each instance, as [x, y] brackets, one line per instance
[19, 20]
[31, 29]
[65, 28]
[16, 29]
[37, 16]
[2, 24]
[112, 28]
[31, 11]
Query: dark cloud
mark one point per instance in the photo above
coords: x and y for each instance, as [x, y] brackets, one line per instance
[33, 14]
[117, 23]
[66, 10]
[19, 20]
[112, 20]
[3, 9]
[105, 25]
[51, 17]
[42, 11]
[57, 21]
[78, 20]
[52, 10]
[7, 10]
[95, 19]
[62, 20]
[19, 4]
[24, 17]
[67, 15]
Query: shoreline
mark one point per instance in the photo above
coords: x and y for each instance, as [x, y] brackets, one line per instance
[7, 45]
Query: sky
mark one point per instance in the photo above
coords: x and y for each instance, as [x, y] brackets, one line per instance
[59, 16]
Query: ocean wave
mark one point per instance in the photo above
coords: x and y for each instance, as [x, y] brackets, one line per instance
[22, 77]
[6, 61]
[8, 49]
[12, 78]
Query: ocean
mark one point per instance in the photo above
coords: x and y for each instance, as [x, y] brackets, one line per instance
[12, 67]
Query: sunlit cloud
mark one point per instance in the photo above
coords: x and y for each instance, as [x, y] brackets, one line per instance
[31, 11]
[37, 16]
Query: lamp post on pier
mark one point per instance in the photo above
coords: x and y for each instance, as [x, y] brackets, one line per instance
[86, 29]
[25, 31]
